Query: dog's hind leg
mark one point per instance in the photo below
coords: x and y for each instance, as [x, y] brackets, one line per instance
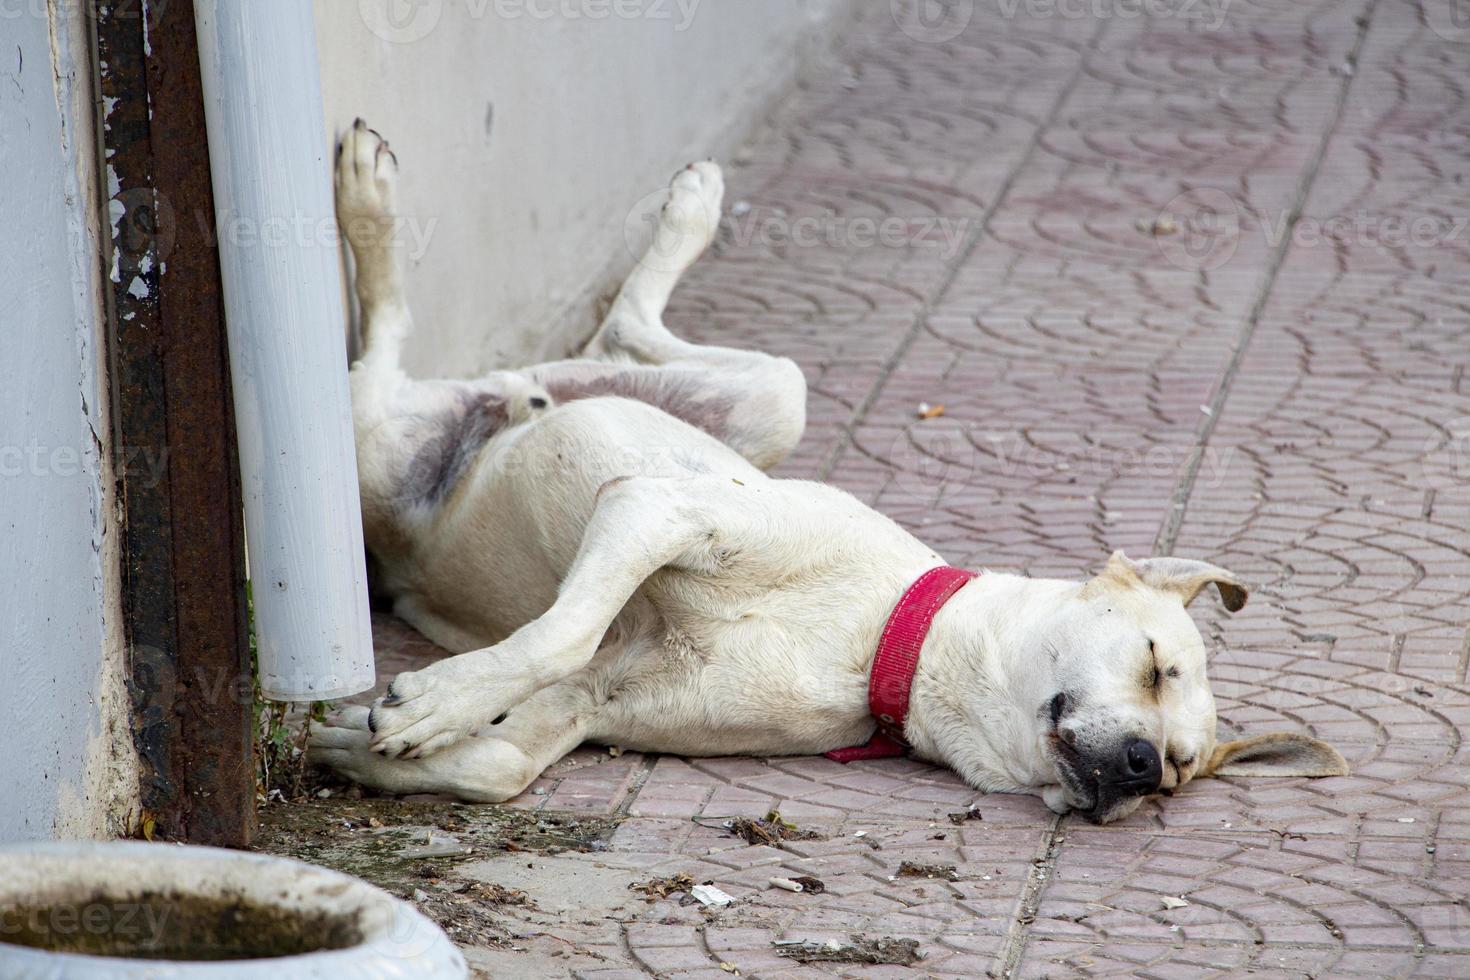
[753, 402]
[756, 405]
[633, 330]
[414, 438]
[367, 185]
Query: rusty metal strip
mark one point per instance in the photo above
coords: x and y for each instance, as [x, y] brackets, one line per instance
[183, 552]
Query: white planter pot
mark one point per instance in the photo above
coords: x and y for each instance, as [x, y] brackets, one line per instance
[168, 912]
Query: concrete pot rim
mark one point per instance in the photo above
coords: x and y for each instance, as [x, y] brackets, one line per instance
[398, 940]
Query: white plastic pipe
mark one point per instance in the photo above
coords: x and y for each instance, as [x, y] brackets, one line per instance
[283, 305]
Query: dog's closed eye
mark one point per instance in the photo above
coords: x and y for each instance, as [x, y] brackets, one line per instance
[1155, 676]
[1158, 674]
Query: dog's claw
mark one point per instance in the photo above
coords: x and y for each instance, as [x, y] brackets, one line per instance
[427, 710]
[366, 184]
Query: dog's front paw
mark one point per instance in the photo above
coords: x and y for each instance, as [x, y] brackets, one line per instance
[367, 186]
[427, 710]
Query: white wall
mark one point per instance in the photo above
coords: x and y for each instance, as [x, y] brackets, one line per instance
[528, 129]
[70, 770]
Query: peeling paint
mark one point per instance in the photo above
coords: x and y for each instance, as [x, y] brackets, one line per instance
[64, 643]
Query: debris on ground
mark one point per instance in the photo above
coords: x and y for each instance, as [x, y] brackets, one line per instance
[1157, 227]
[809, 884]
[711, 896]
[914, 869]
[436, 845]
[927, 411]
[413, 849]
[655, 888]
[786, 884]
[492, 894]
[1170, 902]
[465, 918]
[973, 813]
[770, 830]
[884, 951]
[398, 844]
[465, 912]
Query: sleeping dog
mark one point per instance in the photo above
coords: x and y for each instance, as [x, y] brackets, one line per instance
[598, 541]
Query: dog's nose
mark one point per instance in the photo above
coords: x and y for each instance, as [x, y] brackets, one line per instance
[1142, 769]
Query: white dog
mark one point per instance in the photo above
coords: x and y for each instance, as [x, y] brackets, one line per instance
[599, 542]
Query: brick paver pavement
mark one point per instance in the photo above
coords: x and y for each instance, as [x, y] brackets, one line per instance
[1189, 278]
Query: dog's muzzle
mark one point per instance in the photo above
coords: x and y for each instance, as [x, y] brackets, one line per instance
[1112, 779]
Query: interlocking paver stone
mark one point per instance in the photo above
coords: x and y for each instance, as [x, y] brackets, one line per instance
[1300, 332]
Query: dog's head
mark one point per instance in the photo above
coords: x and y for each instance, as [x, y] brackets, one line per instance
[1110, 698]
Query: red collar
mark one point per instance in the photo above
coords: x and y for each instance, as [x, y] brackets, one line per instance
[897, 659]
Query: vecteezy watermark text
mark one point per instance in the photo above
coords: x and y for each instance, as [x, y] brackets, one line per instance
[1202, 228]
[938, 21]
[141, 922]
[407, 21]
[930, 231]
[743, 226]
[1208, 14]
[35, 460]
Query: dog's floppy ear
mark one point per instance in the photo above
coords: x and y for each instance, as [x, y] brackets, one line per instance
[1184, 576]
[1279, 754]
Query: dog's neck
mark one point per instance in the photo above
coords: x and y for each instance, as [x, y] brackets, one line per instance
[980, 672]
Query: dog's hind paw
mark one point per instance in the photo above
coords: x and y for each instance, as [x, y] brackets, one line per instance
[367, 185]
[342, 743]
[690, 218]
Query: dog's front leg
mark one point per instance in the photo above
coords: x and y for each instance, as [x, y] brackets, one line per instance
[491, 767]
[639, 526]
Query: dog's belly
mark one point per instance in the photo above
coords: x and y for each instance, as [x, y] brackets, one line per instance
[496, 552]
[729, 669]
[735, 700]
